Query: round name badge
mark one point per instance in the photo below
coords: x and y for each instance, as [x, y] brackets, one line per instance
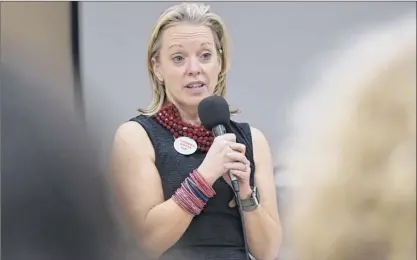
[185, 145]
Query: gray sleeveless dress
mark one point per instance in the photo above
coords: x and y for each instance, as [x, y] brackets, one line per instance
[215, 234]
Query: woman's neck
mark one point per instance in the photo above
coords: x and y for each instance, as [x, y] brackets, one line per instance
[188, 115]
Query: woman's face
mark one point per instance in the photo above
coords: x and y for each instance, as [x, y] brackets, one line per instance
[188, 64]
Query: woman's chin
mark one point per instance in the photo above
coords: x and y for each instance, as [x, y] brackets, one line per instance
[195, 100]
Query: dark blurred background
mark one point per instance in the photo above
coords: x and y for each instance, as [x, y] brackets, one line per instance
[72, 72]
[54, 197]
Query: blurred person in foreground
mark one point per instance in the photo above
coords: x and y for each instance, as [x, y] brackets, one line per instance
[180, 203]
[53, 196]
[353, 156]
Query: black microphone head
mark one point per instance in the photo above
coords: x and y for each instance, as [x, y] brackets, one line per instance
[213, 111]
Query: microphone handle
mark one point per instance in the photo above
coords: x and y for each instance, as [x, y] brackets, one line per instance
[221, 130]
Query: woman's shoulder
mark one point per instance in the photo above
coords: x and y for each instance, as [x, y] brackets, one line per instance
[148, 123]
[134, 129]
[130, 130]
[243, 126]
[140, 119]
[132, 137]
[248, 129]
[252, 136]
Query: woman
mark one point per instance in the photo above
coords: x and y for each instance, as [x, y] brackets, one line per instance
[354, 156]
[178, 203]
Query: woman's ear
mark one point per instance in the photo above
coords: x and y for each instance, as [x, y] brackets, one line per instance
[220, 60]
[157, 69]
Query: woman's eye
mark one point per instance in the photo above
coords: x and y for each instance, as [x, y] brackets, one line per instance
[177, 58]
[206, 56]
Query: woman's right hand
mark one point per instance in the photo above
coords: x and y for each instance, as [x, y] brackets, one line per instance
[218, 159]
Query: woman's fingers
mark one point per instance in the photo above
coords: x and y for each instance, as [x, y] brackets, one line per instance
[241, 148]
[237, 157]
[235, 166]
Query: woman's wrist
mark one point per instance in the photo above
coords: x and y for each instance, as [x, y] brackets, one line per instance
[193, 194]
[206, 176]
[245, 192]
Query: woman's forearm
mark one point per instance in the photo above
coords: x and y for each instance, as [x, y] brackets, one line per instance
[163, 227]
[263, 233]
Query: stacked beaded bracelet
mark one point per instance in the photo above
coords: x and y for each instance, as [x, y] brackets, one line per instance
[193, 194]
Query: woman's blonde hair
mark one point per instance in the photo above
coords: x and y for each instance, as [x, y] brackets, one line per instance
[194, 13]
[353, 160]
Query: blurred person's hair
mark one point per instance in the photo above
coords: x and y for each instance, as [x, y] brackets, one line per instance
[352, 159]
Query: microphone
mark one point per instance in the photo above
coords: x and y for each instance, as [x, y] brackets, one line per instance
[214, 114]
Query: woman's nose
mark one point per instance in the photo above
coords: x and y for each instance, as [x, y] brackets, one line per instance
[194, 67]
